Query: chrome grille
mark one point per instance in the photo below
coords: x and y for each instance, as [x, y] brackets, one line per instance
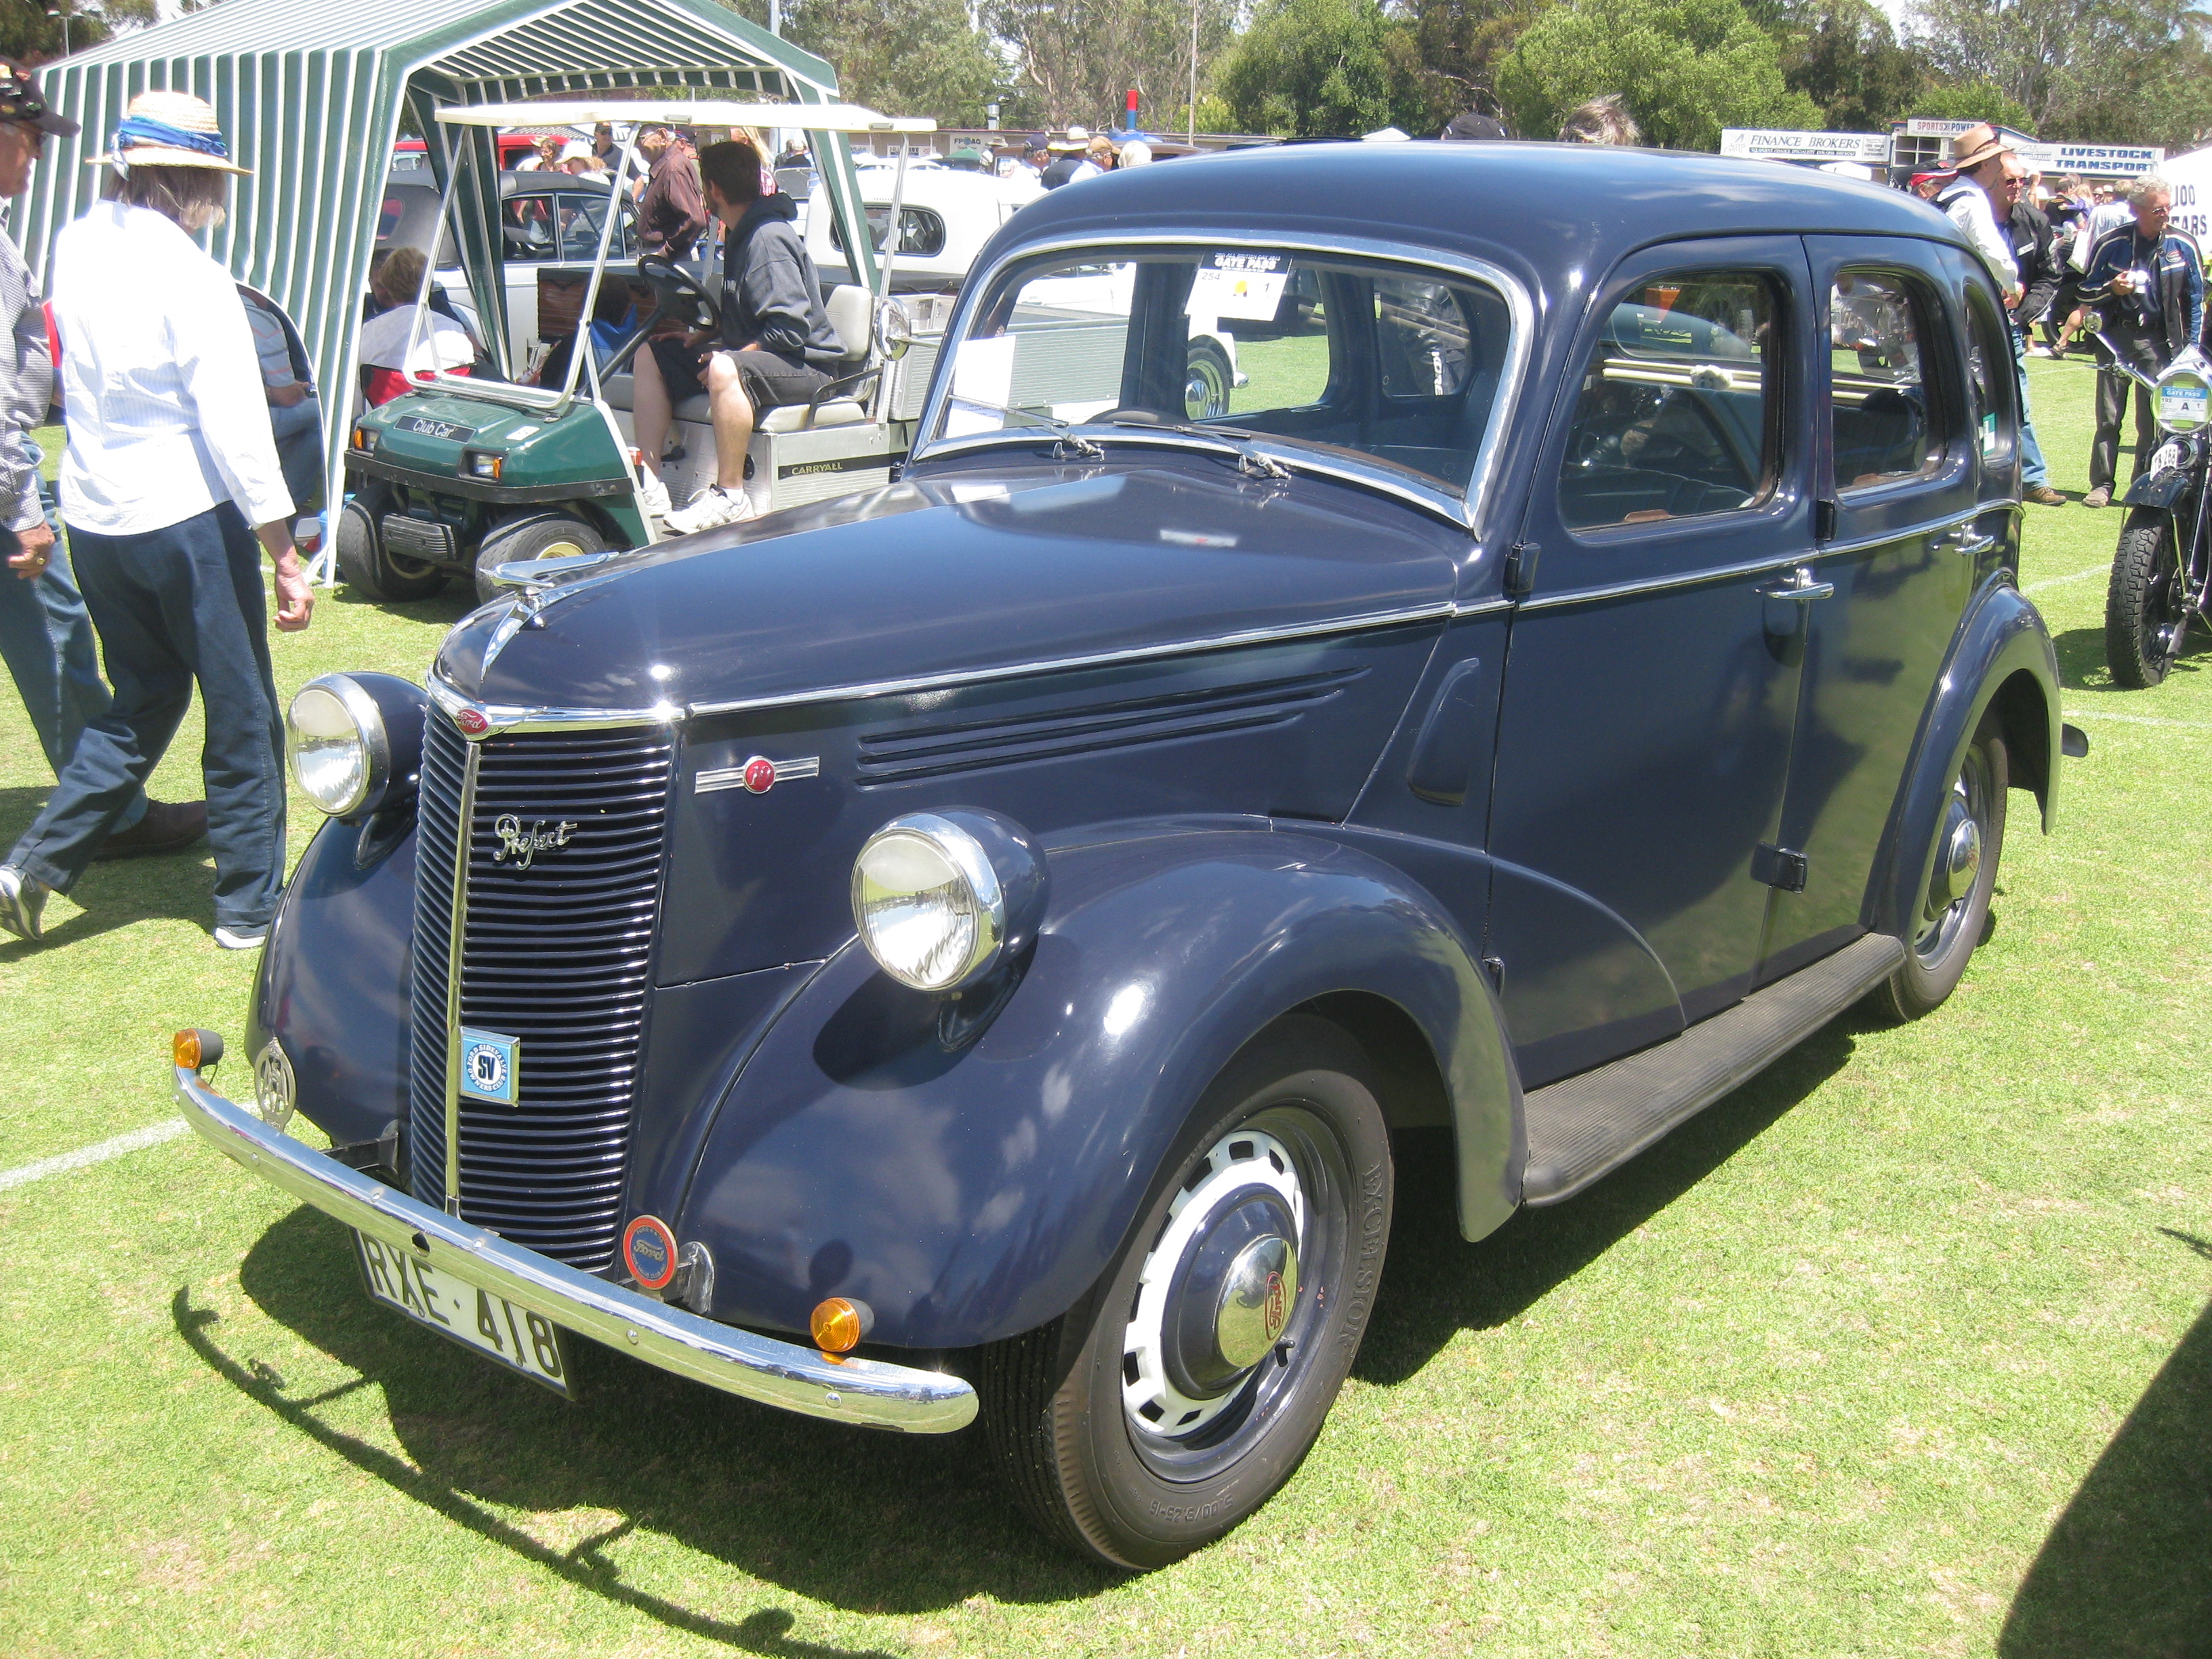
[556, 954]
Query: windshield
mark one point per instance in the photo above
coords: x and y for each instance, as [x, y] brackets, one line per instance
[1399, 364]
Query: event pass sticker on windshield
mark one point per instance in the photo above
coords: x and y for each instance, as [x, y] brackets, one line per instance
[1239, 285]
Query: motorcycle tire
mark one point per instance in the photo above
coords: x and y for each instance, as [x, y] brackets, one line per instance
[2147, 606]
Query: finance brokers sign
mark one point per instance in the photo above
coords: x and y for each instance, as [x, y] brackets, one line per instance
[1781, 144]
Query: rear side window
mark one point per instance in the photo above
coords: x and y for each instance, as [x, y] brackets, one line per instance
[1675, 417]
[1878, 397]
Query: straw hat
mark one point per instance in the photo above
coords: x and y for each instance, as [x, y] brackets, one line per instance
[169, 130]
[1975, 146]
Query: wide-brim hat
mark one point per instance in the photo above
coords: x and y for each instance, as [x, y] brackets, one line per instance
[169, 130]
[1976, 146]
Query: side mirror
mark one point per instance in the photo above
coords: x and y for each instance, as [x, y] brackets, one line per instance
[894, 330]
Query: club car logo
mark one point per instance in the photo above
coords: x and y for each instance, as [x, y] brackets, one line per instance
[521, 845]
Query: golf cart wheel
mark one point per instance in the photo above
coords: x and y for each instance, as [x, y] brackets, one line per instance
[1955, 905]
[373, 572]
[1190, 1382]
[2147, 605]
[1206, 383]
[553, 536]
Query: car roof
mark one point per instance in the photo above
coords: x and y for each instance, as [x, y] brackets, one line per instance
[1544, 210]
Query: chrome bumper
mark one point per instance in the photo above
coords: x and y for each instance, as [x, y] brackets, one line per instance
[737, 1362]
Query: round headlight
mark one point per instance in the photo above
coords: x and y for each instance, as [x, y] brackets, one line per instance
[352, 737]
[939, 897]
[2185, 399]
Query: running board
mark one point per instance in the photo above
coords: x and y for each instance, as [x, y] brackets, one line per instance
[1586, 1126]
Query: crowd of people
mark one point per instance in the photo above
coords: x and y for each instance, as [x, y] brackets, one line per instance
[172, 489]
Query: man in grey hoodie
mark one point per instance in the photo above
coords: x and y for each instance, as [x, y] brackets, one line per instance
[776, 346]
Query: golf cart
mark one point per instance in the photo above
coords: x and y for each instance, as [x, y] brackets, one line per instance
[468, 473]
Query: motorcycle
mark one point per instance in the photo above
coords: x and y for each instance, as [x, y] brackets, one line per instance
[2162, 569]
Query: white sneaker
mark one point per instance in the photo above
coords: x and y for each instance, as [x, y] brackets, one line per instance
[242, 938]
[709, 509]
[22, 897]
[653, 498]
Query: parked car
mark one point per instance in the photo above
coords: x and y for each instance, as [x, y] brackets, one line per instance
[965, 949]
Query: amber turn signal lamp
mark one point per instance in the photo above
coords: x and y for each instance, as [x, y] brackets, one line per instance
[839, 1324]
[196, 1049]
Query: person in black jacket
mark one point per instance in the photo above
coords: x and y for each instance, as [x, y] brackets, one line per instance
[776, 346]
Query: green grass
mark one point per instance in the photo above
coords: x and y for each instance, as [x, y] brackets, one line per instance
[1903, 1349]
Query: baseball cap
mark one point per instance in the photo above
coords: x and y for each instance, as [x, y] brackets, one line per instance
[20, 100]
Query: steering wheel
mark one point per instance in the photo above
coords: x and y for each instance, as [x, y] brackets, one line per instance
[676, 293]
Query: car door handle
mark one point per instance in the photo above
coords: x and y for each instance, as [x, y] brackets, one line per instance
[1967, 540]
[1784, 602]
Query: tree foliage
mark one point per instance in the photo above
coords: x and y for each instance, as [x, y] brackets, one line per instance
[1451, 51]
[1307, 68]
[1844, 56]
[903, 57]
[27, 34]
[1074, 60]
[1687, 69]
[2118, 71]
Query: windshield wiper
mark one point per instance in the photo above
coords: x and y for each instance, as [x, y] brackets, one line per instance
[1250, 461]
[1071, 442]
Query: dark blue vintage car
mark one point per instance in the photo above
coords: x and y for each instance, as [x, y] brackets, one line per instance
[963, 950]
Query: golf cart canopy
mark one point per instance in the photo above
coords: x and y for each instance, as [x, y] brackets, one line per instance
[313, 98]
[811, 117]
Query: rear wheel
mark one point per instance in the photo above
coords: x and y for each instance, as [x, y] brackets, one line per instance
[1954, 906]
[1207, 380]
[1188, 1386]
[554, 536]
[373, 571]
[2147, 606]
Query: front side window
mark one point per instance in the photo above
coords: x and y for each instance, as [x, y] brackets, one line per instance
[1675, 416]
[1334, 354]
[1879, 396]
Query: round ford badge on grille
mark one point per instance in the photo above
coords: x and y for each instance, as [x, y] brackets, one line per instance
[473, 722]
[649, 1252]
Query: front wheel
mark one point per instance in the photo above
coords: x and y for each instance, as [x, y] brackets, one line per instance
[550, 537]
[372, 569]
[1955, 905]
[1191, 1382]
[2147, 606]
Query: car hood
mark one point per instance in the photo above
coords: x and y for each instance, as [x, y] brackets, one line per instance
[965, 573]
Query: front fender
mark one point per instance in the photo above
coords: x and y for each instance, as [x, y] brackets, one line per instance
[974, 1192]
[334, 976]
[2163, 489]
[2002, 657]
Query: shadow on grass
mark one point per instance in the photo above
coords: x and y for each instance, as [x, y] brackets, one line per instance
[861, 1519]
[2082, 665]
[1435, 1284]
[2127, 1572]
[181, 884]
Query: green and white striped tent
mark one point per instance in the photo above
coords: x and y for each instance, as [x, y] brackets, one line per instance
[310, 95]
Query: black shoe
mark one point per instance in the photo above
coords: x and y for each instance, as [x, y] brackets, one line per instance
[167, 828]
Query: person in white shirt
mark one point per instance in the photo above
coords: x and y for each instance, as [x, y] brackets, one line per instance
[170, 477]
[1977, 201]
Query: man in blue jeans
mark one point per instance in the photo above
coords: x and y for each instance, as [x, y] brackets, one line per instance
[170, 480]
[45, 637]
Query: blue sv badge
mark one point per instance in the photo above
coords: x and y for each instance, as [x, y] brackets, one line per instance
[491, 1067]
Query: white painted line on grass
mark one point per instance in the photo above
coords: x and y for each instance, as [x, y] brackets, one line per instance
[2061, 581]
[2091, 715]
[152, 1135]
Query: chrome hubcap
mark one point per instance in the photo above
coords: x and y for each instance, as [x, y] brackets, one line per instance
[1218, 1289]
[1960, 860]
[1256, 1301]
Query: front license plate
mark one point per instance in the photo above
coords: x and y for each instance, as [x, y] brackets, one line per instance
[518, 1339]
